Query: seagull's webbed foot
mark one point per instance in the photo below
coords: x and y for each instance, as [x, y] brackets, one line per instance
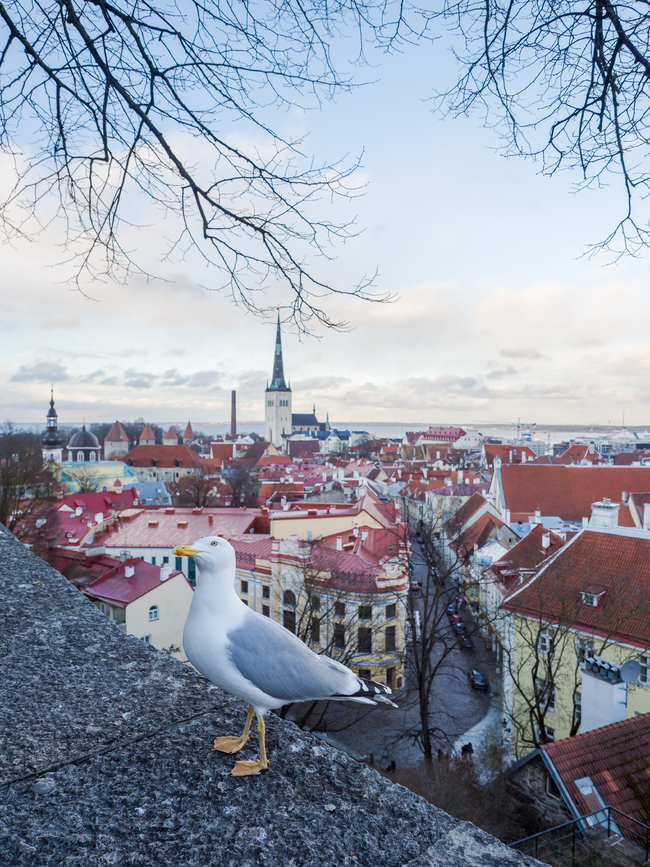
[250, 768]
[233, 744]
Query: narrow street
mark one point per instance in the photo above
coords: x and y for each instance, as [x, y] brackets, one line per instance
[456, 707]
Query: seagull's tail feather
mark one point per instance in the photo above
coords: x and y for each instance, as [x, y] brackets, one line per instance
[370, 692]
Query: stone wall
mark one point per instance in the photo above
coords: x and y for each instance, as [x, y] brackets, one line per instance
[106, 759]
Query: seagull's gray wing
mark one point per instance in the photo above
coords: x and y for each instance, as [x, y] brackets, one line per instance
[282, 666]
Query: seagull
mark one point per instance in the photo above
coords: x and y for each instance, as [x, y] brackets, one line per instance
[254, 658]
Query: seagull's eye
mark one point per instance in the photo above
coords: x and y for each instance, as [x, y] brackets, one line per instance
[214, 543]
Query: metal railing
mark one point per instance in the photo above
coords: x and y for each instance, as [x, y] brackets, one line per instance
[601, 824]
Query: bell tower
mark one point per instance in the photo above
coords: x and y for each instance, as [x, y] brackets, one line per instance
[277, 399]
[52, 444]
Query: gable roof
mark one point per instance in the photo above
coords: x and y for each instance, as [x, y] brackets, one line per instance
[617, 559]
[568, 491]
[462, 515]
[162, 456]
[529, 552]
[116, 434]
[616, 757]
[509, 454]
[117, 588]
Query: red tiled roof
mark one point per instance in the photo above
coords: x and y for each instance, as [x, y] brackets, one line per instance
[116, 434]
[147, 433]
[616, 757]
[116, 587]
[579, 452]
[636, 504]
[617, 559]
[508, 454]
[529, 551]
[222, 451]
[189, 433]
[462, 516]
[477, 534]
[568, 492]
[79, 568]
[159, 528]
[164, 456]
[171, 435]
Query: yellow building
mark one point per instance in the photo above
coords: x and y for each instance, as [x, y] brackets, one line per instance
[148, 601]
[591, 599]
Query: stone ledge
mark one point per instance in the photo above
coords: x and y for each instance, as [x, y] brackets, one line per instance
[105, 759]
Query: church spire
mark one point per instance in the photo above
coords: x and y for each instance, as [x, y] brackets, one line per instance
[277, 382]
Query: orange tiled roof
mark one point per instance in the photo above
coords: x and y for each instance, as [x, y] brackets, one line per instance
[147, 433]
[568, 492]
[618, 559]
[116, 434]
[462, 516]
[163, 456]
[189, 433]
[616, 757]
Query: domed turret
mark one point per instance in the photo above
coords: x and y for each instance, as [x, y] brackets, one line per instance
[84, 446]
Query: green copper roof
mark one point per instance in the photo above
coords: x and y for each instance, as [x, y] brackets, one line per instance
[277, 382]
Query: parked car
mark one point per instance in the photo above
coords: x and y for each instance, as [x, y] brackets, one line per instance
[466, 643]
[477, 680]
[459, 628]
[416, 585]
[455, 618]
[451, 609]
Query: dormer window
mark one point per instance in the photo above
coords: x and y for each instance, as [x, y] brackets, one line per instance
[593, 595]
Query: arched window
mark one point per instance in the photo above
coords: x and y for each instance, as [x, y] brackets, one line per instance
[289, 598]
[80, 456]
[92, 456]
[153, 612]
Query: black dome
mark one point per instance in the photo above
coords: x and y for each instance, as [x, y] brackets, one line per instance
[84, 439]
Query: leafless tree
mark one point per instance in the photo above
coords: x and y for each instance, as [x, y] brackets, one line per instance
[244, 484]
[197, 491]
[27, 488]
[566, 83]
[102, 102]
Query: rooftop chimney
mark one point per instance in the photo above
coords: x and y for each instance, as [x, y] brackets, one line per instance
[78, 511]
[233, 414]
[165, 571]
[604, 514]
[625, 497]
[546, 540]
[210, 520]
[339, 543]
[129, 571]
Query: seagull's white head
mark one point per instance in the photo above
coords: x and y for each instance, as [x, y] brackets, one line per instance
[213, 555]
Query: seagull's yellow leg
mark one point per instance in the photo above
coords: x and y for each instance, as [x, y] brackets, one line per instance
[232, 744]
[247, 769]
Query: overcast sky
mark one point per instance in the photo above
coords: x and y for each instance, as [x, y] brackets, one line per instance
[497, 314]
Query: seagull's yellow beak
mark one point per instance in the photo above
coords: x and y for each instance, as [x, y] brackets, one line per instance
[186, 551]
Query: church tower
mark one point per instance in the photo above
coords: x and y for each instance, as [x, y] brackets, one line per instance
[52, 443]
[277, 409]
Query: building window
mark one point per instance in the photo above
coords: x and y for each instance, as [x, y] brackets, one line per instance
[315, 630]
[146, 639]
[584, 649]
[245, 601]
[153, 561]
[545, 643]
[314, 601]
[390, 639]
[644, 674]
[339, 636]
[103, 608]
[391, 611]
[545, 695]
[289, 598]
[364, 673]
[92, 456]
[153, 612]
[339, 609]
[577, 708]
[165, 560]
[550, 734]
[266, 611]
[289, 619]
[400, 681]
[266, 591]
[191, 571]
[390, 677]
[364, 640]
[80, 456]
[244, 586]
[365, 612]
[178, 562]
